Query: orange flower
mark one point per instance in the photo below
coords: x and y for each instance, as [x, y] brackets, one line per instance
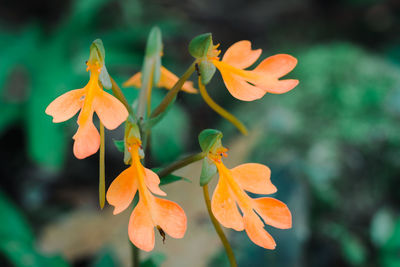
[89, 99]
[151, 211]
[229, 194]
[249, 85]
[167, 81]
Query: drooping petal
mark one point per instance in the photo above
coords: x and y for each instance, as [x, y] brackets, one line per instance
[273, 212]
[170, 217]
[65, 106]
[110, 110]
[122, 190]
[141, 228]
[168, 80]
[239, 88]
[254, 177]
[256, 232]
[135, 80]
[152, 182]
[240, 55]
[277, 65]
[224, 207]
[87, 140]
[273, 68]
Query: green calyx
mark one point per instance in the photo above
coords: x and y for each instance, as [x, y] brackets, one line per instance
[201, 47]
[98, 54]
[208, 138]
[208, 170]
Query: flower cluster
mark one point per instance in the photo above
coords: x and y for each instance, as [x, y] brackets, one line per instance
[231, 206]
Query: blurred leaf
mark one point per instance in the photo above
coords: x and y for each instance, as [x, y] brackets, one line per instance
[382, 227]
[13, 225]
[104, 259]
[120, 145]
[17, 241]
[169, 136]
[170, 178]
[155, 260]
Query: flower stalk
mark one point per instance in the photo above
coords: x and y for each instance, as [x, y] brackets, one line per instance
[102, 187]
[173, 92]
[217, 108]
[218, 229]
[180, 164]
[121, 97]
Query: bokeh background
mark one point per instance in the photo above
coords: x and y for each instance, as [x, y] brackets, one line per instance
[333, 143]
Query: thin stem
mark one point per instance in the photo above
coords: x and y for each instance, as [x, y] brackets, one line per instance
[135, 256]
[102, 189]
[174, 91]
[180, 164]
[218, 229]
[121, 97]
[225, 114]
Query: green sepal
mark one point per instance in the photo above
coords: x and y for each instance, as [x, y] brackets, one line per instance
[131, 130]
[208, 170]
[208, 138]
[200, 45]
[104, 78]
[153, 53]
[207, 71]
[120, 145]
[170, 178]
[98, 53]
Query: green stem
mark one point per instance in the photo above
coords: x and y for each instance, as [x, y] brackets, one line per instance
[217, 108]
[102, 188]
[121, 97]
[174, 91]
[218, 229]
[180, 164]
[135, 256]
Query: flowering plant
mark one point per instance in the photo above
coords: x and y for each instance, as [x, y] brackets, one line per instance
[137, 184]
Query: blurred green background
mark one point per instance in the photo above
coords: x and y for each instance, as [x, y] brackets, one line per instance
[333, 143]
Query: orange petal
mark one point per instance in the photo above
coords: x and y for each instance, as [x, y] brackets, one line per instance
[110, 110]
[277, 65]
[256, 232]
[168, 80]
[122, 190]
[65, 106]
[171, 217]
[152, 182]
[224, 207]
[240, 55]
[254, 177]
[271, 69]
[135, 80]
[273, 212]
[239, 88]
[87, 140]
[141, 228]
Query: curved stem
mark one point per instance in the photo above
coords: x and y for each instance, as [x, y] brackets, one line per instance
[121, 97]
[173, 92]
[218, 229]
[225, 114]
[102, 188]
[180, 164]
